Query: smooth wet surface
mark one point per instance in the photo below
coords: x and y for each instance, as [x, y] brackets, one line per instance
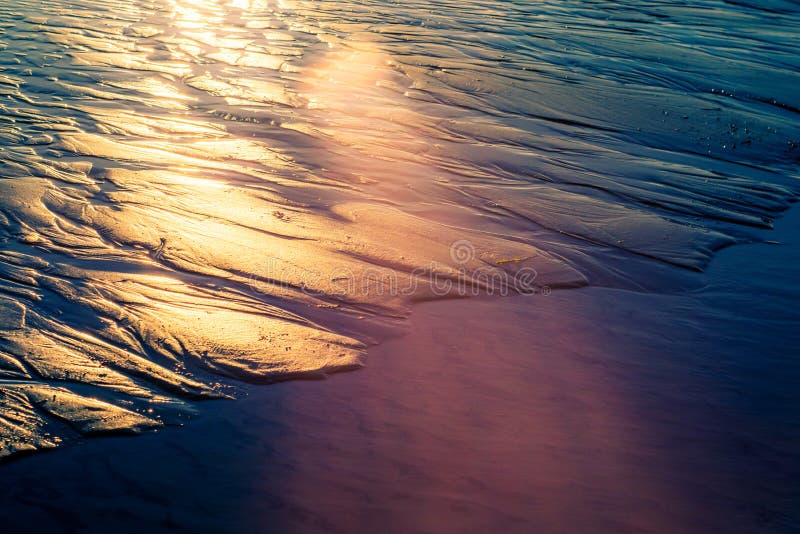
[199, 195]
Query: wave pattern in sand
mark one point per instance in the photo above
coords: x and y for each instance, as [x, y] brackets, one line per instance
[253, 189]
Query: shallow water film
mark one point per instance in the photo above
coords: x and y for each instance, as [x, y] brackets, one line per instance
[200, 194]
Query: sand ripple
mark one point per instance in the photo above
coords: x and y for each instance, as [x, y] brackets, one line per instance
[254, 189]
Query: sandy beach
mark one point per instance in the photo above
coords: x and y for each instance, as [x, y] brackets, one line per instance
[317, 266]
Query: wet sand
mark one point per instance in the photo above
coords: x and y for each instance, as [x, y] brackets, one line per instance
[196, 194]
[202, 200]
[592, 410]
[243, 190]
